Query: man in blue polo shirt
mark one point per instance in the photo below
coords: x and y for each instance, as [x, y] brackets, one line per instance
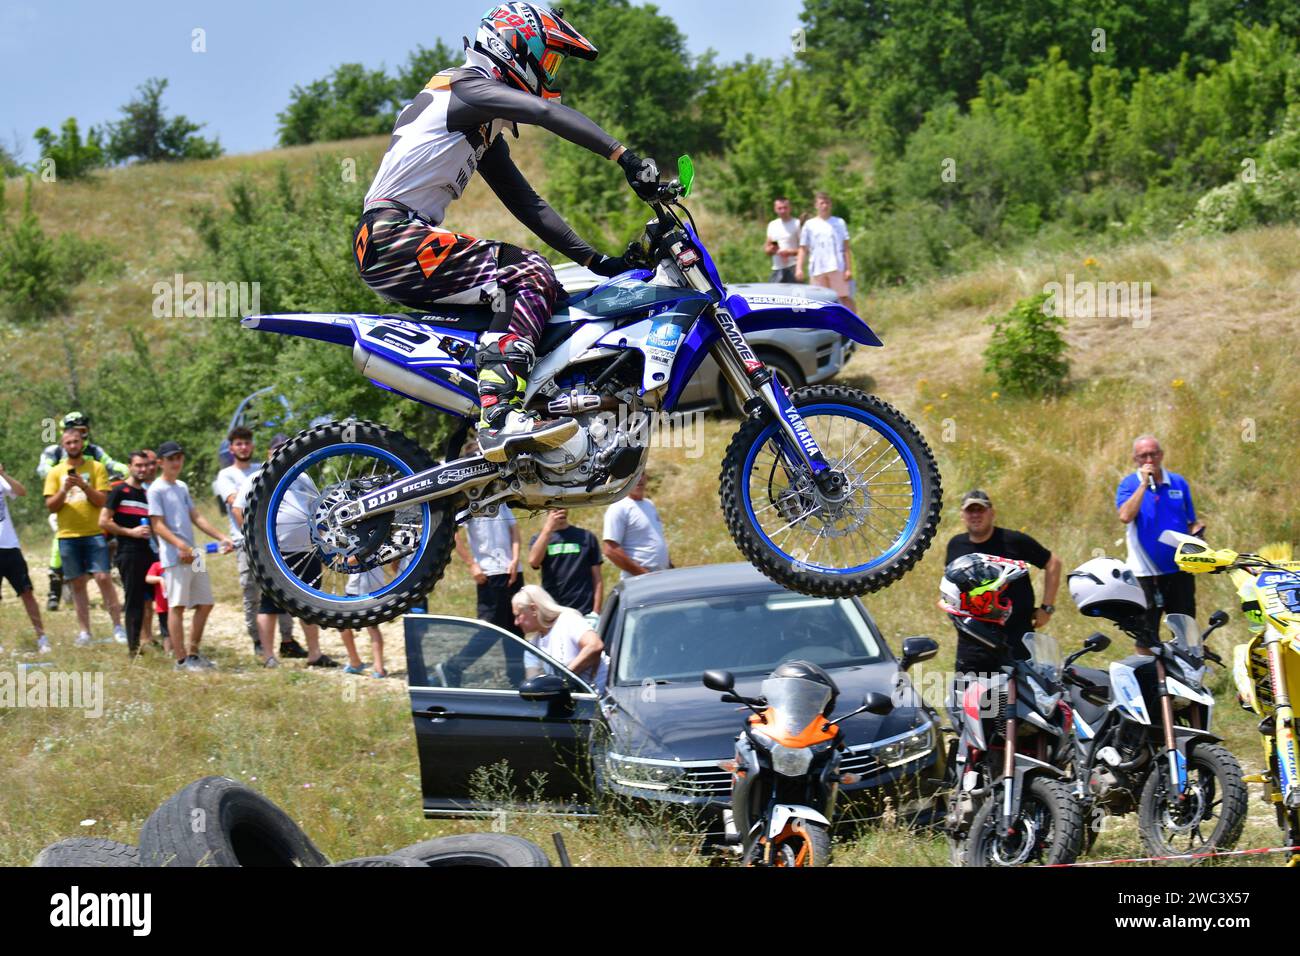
[1151, 501]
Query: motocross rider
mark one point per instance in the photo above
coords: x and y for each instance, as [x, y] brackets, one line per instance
[451, 129]
[50, 457]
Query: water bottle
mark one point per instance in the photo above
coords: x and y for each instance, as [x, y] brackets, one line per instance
[198, 553]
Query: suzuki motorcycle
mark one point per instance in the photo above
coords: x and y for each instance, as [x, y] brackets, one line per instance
[1144, 743]
[827, 490]
[786, 773]
[1011, 805]
[1267, 667]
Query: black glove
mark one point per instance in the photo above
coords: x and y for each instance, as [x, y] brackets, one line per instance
[608, 266]
[642, 174]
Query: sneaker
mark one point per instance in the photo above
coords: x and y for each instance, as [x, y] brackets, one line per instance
[448, 673]
[119, 634]
[350, 669]
[271, 662]
[205, 663]
[292, 648]
[83, 640]
[379, 674]
[323, 661]
[43, 645]
[517, 431]
[194, 664]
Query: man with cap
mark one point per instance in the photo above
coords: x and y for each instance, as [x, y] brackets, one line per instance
[185, 579]
[982, 536]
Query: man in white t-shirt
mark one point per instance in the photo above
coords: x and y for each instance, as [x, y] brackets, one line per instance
[633, 534]
[782, 241]
[824, 248]
[230, 481]
[13, 567]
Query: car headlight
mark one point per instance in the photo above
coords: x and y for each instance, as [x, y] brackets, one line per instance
[646, 775]
[909, 748]
[791, 761]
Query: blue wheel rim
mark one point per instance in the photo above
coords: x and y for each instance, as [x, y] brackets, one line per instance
[916, 510]
[286, 482]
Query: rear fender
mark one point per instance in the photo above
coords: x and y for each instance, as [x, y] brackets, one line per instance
[758, 313]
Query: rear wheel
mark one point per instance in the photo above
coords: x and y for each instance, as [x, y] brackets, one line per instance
[346, 576]
[1048, 829]
[1211, 814]
[861, 538]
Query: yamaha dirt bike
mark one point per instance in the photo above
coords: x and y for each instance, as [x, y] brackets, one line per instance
[786, 772]
[1144, 744]
[1266, 669]
[827, 490]
[1010, 805]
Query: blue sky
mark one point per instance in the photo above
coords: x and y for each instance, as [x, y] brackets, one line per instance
[84, 58]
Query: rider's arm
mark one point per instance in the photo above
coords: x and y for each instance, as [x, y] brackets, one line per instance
[515, 193]
[477, 100]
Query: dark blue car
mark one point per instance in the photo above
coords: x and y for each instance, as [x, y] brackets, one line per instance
[655, 733]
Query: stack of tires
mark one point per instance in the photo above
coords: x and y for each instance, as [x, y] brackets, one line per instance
[217, 821]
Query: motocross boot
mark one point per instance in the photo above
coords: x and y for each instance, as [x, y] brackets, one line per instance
[503, 361]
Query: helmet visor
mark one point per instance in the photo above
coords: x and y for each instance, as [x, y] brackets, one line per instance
[551, 62]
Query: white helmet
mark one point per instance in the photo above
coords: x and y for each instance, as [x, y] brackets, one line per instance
[1105, 587]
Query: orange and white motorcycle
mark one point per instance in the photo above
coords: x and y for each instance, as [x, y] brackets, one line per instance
[786, 772]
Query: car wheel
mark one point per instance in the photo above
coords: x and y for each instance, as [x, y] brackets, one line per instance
[88, 851]
[477, 849]
[785, 369]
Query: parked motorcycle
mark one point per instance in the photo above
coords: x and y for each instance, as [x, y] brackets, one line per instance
[786, 772]
[827, 490]
[1143, 727]
[1266, 669]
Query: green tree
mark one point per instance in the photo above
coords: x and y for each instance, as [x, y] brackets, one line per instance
[422, 63]
[352, 101]
[73, 157]
[144, 133]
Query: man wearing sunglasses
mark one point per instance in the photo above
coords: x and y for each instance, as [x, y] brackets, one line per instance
[453, 128]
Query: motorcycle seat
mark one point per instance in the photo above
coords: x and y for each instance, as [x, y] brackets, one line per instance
[476, 319]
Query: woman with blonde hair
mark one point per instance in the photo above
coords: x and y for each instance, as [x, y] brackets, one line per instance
[562, 633]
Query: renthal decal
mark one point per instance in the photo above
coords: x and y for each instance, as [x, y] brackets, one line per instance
[783, 300]
[737, 340]
[460, 474]
[801, 432]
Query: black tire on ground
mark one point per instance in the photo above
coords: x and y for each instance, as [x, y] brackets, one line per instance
[1229, 789]
[781, 570]
[390, 860]
[346, 614]
[1051, 800]
[476, 849]
[217, 821]
[786, 370]
[88, 851]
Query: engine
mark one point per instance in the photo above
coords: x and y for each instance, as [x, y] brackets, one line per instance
[611, 439]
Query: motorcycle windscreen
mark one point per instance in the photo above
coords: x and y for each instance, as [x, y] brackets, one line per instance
[1187, 636]
[796, 702]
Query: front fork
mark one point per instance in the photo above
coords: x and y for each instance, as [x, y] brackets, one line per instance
[759, 391]
[1177, 761]
[1284, 736]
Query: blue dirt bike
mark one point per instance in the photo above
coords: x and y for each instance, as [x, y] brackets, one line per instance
[827, 490]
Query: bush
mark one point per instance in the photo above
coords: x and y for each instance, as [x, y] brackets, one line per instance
[352, 101]
[144, 133]
[422, 63]
[1027, 351]
[916, 240]
[1273, 197]
[73, 158]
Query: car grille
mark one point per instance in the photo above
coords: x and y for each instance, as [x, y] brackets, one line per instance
[705, 781]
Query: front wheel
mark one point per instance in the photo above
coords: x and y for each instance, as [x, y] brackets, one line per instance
[1047, 831]
[344, 576]
[1211, 814]
[864, 538]
[803, 843]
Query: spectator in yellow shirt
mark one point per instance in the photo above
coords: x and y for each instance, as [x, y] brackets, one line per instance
[75, 489]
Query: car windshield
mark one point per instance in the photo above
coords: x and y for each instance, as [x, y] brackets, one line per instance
[746, 634]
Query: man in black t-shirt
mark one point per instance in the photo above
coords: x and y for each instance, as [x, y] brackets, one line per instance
[570, 561]
[982, 536]
[125, 515]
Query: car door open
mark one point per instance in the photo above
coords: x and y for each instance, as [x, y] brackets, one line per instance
[482, 746]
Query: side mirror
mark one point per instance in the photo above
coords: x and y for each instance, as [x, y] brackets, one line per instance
[685, 174]
[917, 649]
[1218, 618]
[721, 681]
[874, 703]
[544, 687]
[1096, 642]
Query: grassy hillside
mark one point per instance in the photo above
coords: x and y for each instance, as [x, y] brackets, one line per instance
[1212, 374]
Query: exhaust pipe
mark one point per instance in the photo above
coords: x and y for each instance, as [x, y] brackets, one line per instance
[387, 372]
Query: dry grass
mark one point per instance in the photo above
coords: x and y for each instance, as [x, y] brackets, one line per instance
[1213, 375]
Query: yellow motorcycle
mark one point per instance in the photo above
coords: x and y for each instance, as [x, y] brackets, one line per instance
[1267, 667]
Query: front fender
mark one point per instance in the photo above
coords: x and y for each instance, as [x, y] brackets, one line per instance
[759, 313]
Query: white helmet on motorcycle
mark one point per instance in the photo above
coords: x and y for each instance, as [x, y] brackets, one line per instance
[1106, 588]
